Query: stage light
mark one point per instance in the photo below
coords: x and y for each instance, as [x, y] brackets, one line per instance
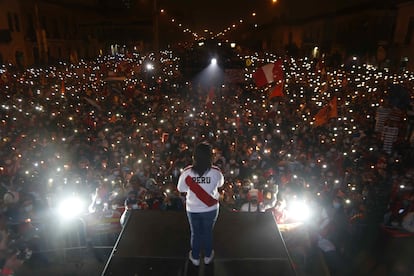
[213, 61]
[70, 207]
[149, 66]
[299, 211]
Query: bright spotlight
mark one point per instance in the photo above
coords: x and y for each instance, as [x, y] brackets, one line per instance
[299, 211]
[150, 66]
[70, 207]
[213, 61]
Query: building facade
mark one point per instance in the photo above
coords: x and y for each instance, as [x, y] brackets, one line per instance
[380, 33]
[46, 31]
[12, 40]
[404, 35]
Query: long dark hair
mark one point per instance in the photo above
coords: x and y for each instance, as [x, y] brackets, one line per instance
[202, 158]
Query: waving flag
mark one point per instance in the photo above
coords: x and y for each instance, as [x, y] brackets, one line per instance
[62, 87]
[321, 117]
[327, 112]
[268, 73]
[210, 98]
[277, 91]
[333, 108]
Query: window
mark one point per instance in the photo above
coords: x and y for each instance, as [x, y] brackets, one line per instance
[10, 21]
[16, 22]
[29, 18]
[43, 22]
[36, 55]
[56, 33]
[30, 31]
[65, 27]
[410, 31]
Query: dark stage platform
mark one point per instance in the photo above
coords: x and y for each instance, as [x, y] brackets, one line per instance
[157, 243]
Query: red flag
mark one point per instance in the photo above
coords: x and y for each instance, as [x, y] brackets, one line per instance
[278, 74]
[62, 87]
[333, 108]
[321, 117]
[327, 112]
[277, 90]
[268, 73]
[344, 81]
[210, 97]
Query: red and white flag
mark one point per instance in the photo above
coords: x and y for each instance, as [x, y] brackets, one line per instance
[268, 73]
[277, 91]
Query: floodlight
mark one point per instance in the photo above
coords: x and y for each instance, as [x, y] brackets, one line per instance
[299, 210]
[149, 66]
[70, 207]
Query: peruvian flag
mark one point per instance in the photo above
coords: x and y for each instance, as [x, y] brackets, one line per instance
[268, 73]
[277, 91]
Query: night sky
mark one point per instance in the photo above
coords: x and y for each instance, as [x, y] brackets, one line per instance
[216, 15]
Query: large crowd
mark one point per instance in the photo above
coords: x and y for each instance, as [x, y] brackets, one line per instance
[118, 133]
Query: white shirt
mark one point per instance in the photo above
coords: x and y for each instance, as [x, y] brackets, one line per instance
[210, 181]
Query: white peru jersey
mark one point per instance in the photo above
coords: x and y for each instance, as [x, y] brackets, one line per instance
[210, 181]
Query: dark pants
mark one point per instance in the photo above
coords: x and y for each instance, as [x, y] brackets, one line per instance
[201, 225]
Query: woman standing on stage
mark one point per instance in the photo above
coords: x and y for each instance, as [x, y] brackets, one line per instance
[200, 181]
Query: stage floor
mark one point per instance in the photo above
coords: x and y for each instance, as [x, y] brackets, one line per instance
[157, 243]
